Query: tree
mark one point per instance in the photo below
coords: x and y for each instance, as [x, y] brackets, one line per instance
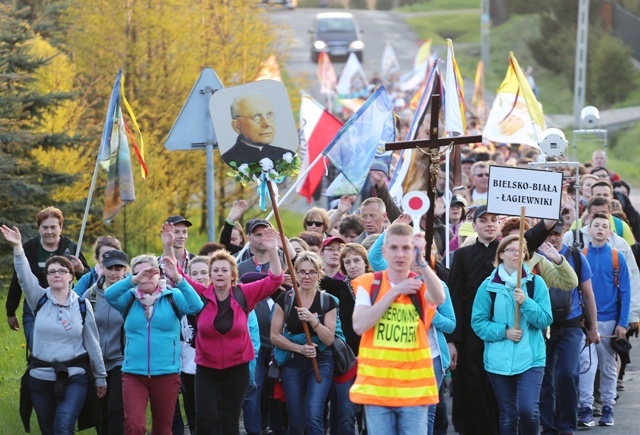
[25, 186]
[162, 46]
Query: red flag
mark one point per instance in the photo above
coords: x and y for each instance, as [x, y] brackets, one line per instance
[317, 128]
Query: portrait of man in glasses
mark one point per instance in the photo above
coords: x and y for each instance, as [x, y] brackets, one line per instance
[253, 118]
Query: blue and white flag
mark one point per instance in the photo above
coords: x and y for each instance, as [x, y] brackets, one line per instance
[362, 137]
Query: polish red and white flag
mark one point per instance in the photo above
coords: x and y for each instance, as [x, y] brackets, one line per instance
[317, 128]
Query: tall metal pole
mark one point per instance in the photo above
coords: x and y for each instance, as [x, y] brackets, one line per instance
[485, 26]
[580, 77]
[211, 221]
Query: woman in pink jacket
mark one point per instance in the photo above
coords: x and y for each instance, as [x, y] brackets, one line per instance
[223, 344]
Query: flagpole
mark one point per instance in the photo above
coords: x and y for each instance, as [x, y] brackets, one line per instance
[447, 204]
[87, 207]
[300, 179]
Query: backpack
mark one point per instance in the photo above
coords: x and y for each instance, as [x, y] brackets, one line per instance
[238, 295]
[343, 357]
[82, 305]
[289, 299]
[375, 289]
[562, 301]
[530, 291]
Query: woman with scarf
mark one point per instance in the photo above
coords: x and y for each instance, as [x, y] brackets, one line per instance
[513, 358]
[151, 366]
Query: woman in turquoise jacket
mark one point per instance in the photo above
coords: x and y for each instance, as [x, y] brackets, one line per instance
[513, 358]
[151, 367]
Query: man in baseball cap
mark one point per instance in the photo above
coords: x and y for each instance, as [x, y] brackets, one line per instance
[259, 262]
[180, 237]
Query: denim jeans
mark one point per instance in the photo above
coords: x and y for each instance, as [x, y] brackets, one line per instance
[251, 407]
[58, 416]
[305, 396]
[559, 393]
[28, 320]
[342, 411]
[519, 398]
[437, 369]
[403, 420]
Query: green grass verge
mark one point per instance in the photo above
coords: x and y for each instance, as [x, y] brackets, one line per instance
[556, 93]
[12, 366]
[461, 27]
[440, 5]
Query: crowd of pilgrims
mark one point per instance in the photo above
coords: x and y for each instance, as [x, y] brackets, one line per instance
[215, 333]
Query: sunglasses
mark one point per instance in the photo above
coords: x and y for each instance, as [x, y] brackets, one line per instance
[482, 175]
[314, 223]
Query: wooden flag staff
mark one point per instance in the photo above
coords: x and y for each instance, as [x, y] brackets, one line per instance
[287, 257]
[520, 261]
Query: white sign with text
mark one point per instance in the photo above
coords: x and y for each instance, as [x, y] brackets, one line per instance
[540, 192]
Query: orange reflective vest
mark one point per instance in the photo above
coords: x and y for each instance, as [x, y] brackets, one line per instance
[394, 362]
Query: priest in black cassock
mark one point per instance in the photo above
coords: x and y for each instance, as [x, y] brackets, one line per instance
[475, 408]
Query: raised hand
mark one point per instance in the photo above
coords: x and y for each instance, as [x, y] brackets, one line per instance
[378, 177]
[145, 274]
[403, 218]
[166, 234]
[549, 251]
[270, 239]
[345, 204]
[170, 268]
[238, 209]
[12, 235]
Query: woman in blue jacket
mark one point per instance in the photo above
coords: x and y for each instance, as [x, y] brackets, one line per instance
[151, 367]
[513, 358]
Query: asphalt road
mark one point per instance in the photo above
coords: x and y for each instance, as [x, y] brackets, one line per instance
[378, 27]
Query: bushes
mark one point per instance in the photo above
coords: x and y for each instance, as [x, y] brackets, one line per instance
[610, 74]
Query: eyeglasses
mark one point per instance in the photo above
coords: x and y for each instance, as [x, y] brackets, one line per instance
[259, 118]
[481, 175]
[311, 274]
[513, 251]
[314, 223]
[52, 272]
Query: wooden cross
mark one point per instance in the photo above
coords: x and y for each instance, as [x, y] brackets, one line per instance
[432, 146]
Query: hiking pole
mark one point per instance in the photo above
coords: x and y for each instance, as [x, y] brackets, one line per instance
[520, 260]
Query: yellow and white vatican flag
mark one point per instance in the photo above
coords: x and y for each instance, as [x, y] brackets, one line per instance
[516, 116]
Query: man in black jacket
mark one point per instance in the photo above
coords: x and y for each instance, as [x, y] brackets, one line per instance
[50, 242]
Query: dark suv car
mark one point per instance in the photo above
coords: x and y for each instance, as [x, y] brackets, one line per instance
[337, 34]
